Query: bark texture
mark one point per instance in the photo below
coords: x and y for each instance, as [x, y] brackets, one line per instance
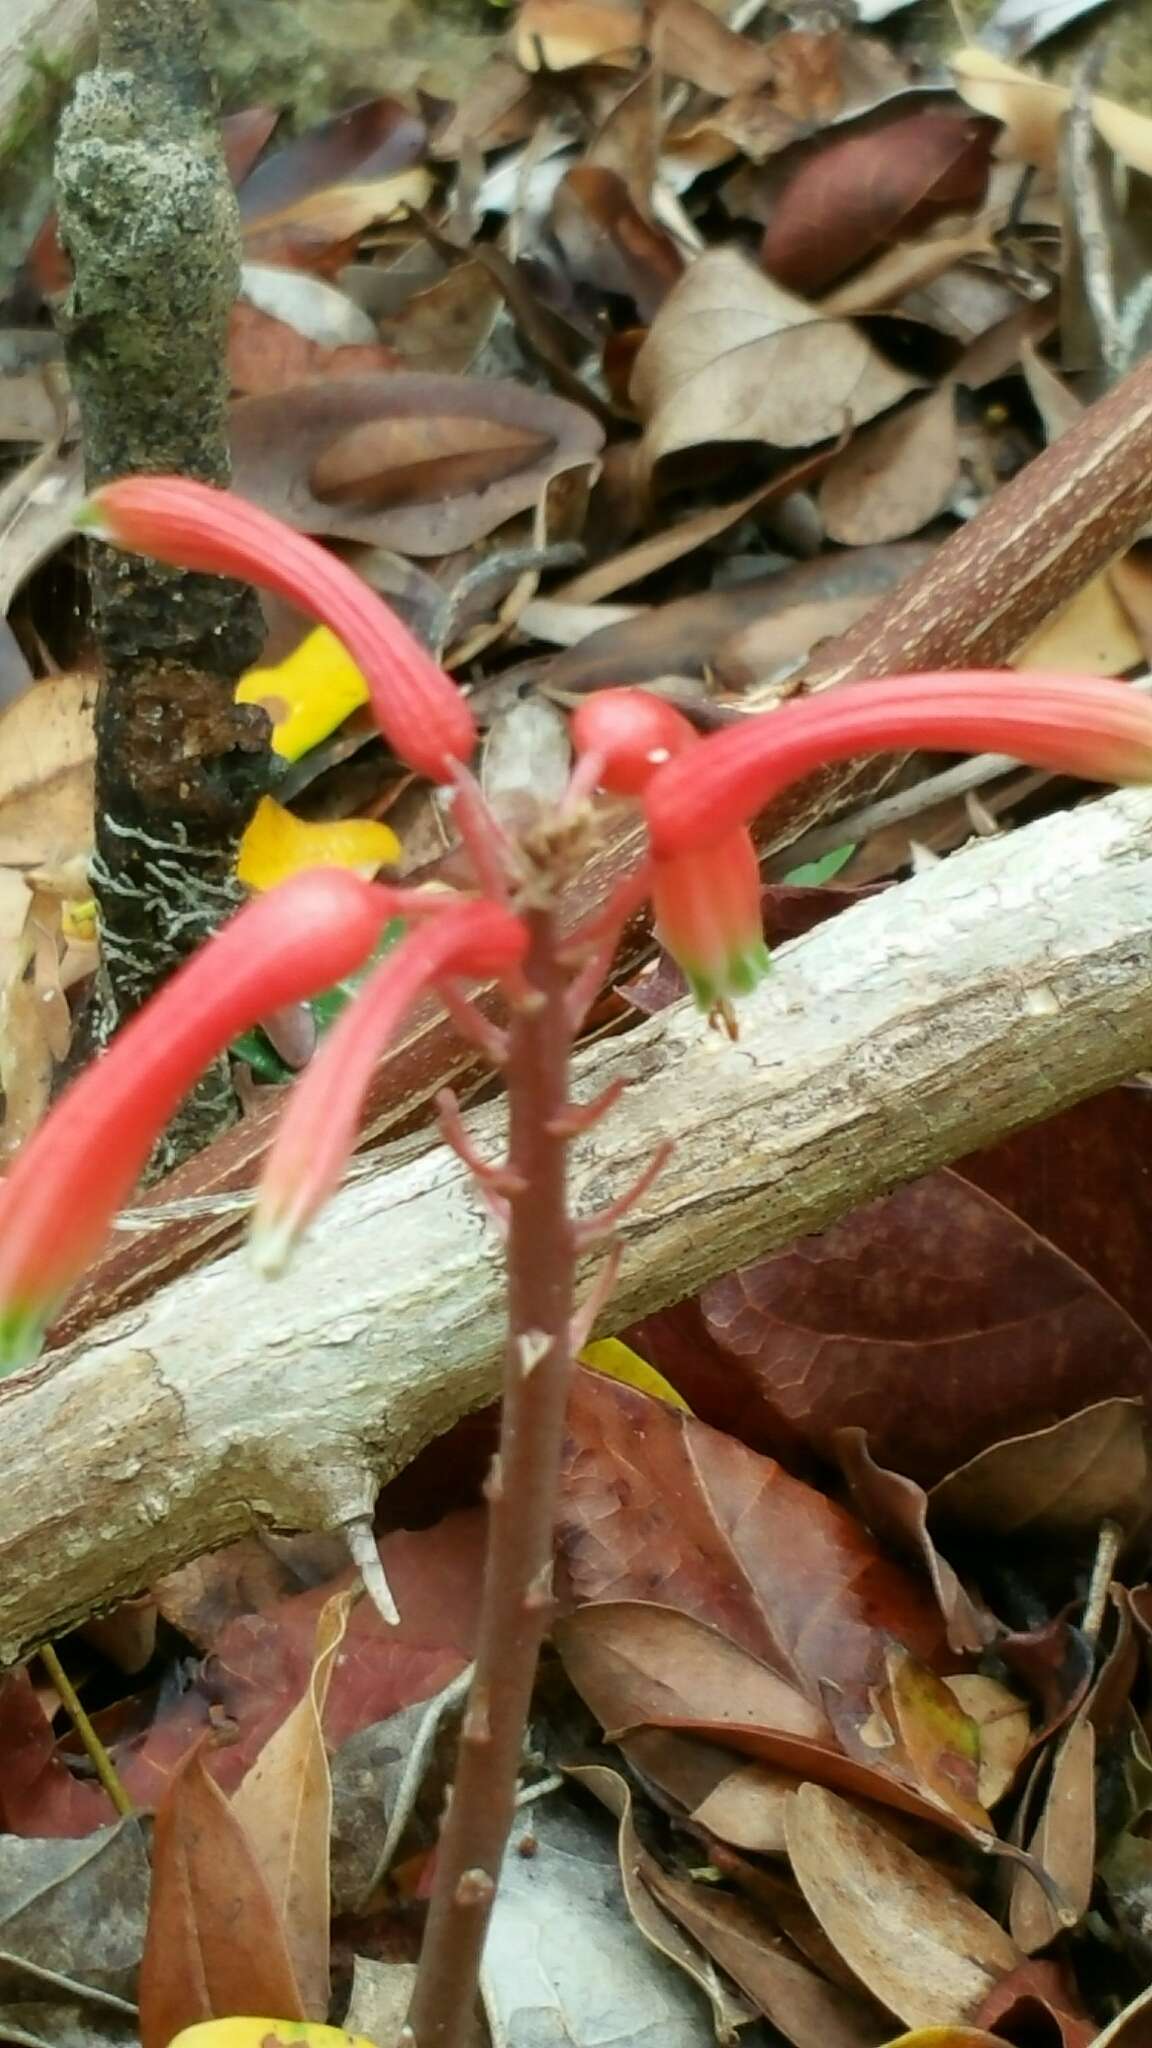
[999, 987]
[149, 219]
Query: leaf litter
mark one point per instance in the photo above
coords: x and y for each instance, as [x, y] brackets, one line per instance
[659, 353]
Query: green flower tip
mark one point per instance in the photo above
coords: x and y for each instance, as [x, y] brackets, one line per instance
[22, 1330]
[744, 972]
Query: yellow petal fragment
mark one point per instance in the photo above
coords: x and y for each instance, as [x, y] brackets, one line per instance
[257, 2033]
[277, 845]
[618, 1361]
[308, 694]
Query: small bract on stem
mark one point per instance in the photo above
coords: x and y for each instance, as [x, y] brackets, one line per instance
[512, 929]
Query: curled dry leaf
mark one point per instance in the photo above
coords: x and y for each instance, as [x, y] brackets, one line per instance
[1063, 1844]
[608, 242]
[731, 356]
[284, 1805]
[808, 2010]
[691, 42]
[420, 464]
[207, 1883]
[896, 1510]
[1057, 1483]
[921, 1947]
[639, 1873]
[869, 184]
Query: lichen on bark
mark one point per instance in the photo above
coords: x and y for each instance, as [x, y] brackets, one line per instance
[148, 217]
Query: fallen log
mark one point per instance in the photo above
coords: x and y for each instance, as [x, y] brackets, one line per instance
[1002, 985]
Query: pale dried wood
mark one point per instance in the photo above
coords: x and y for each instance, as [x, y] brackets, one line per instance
[35, 34]
[999, 986]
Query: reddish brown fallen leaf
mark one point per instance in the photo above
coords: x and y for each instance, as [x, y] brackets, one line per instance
[871, 184]
[266, 355]
[1083, 1180]
[896, 1510]
[261, 1662]
[910, 1935]
[655, 1504]
[741, 1803]
[340, 435]
[847, 1329]
[38, 1793]
[1036, 1995]
[216, 1942]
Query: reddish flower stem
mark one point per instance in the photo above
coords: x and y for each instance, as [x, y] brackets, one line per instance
[516, 1604]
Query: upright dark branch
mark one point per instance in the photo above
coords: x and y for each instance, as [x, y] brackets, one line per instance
[149, 219]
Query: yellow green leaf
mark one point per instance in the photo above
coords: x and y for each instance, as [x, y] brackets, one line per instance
[256, 2033]
[277, 844]
[619, 1362]
[308, 694]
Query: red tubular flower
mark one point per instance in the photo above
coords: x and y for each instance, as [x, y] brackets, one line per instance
[1075, 725]
[58, 1201]
[318, 1129]
[418, 708]
[707, 904]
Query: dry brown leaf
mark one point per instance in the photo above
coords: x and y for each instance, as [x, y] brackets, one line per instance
[1093, 635]
[339, 212]
[558, 35]
[897, 475]
[742, 1804]
[912, 1938]
[443, 328]
[1005, 1730]
[654, 1923]
[47, 754]
[731, 356]
[1063, 1843]
[26, 1063]
[346, 432]
[807, 2010]
[1058, 1482]
[395, 462]
[284, 1805]
[690, 41]
[1033, 111]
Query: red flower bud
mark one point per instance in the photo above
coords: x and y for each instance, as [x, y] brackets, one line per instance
[58, 1201]
[631, 733]
[1075, 725]
[418, 708]
[318, 1129]
[707, 904]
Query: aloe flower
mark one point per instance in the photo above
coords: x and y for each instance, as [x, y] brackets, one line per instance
[318, 1129]
[1075, 725]
[58, 1201]
[195, 526]
[707, 904]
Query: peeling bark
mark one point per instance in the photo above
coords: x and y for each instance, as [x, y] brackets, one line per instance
[149, 219]
[991, 991]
